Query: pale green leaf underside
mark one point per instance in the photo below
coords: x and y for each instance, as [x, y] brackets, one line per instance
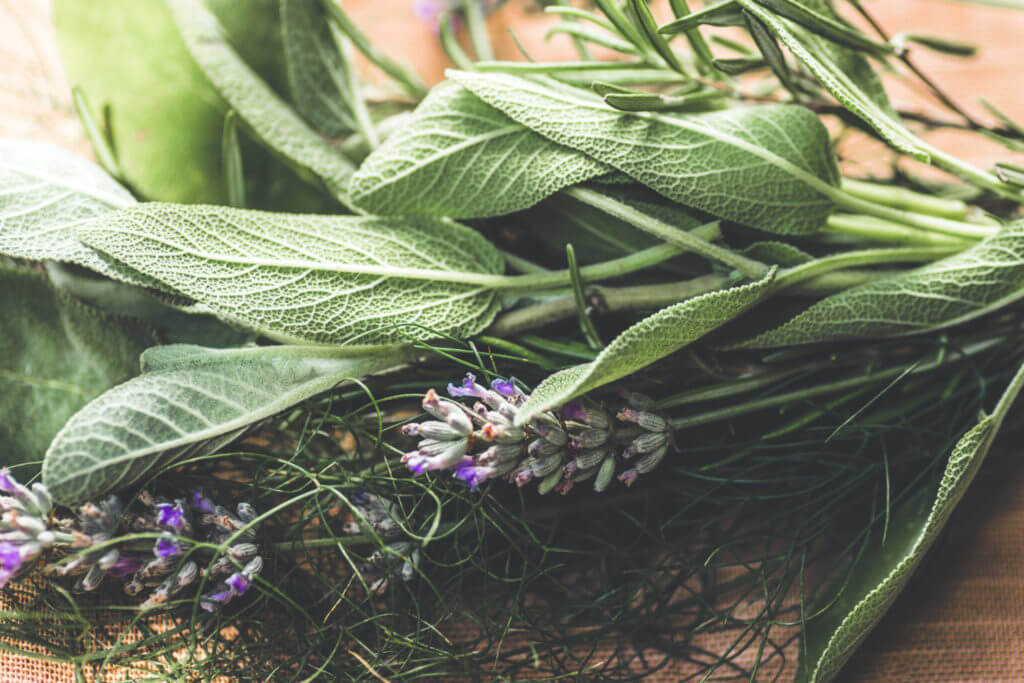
[649, 340]
[833, 637]
[264, 113]
[56, 354]
[770, 167]
[308, 278]
[192, 401]
[460, 157]
[315, 69]
[847, 76]
[44, 192]
[979, 280]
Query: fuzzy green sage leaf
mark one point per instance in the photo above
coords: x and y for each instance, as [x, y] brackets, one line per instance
[460, 157]
[769, 167]
[312, 279]
[649, 340]
[44, 192]
[191, 401]
[264, 113]
[879, 578]
[970, 284]
[56, 354]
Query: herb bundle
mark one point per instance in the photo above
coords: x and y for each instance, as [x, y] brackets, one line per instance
[379, 326]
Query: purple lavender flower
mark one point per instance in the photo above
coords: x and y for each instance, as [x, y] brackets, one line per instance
[170, 514]
[505, 387]
[10, 562]
[201, 502]
[469, 388]
[238, 583]
[7, 482]
[165, 547]
[473, 474]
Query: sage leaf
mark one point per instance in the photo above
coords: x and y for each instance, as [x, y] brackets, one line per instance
[192, 401]
[303, 278]
[317, 70]
[268, 117]
[44, 192]
[769, 167]
[459, 157]
[56, 354]
[979, 280]
[880, 576]
[645, 342]
[844, 73]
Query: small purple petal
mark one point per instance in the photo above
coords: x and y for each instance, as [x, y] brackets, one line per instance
[469, 387]
[360, 498]
[416, 463]
[165, 547]
[505, 387]
[10, 558]
[238, 583]
[201, 502]
[8, 484]
[125, 566]
[170, 515]
[213, 601]
[473, 474]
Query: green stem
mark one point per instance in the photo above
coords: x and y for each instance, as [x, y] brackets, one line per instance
[978, 177]
[351, 85]
[409, 80]
[557, 67]
[581, 46]
[826, 388]
[880, 230]
[862, 257]
[945, 226]
[902, 198]
[701, 51]
[612, 299]
[599, 271]
[689, 241]
[476, 24]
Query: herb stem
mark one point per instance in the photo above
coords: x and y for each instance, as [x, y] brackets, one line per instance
[608, 300]
[861, 257]
[409, 80]
[880, 230]
[689, 241]
[476, 25]
[854, 204]
[902, 198]
[827, 388]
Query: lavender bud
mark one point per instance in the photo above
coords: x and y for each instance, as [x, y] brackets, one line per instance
[591, 458]
[646, 443]
[649, 461]
[605, 475]
[548, 483]
[646, 421]
[590, 438]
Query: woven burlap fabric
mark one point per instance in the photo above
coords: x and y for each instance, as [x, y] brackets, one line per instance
[963, 617]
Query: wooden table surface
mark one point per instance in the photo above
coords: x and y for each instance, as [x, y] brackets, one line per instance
[962, 619]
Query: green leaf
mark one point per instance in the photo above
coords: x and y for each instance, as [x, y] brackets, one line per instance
[162, 114]
[313, 279]
[192, 401]
[56, 354]
[769, 167]
[44, 192]
[461, 158]
[979, 280]
[649, 340]
[845, 74]
[268, 117]
[317, 69]
[879, 578]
